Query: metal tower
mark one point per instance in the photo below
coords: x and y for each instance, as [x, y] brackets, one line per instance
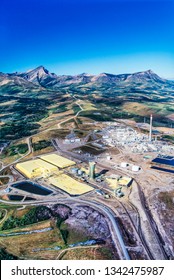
[92, 169]
[150, 131]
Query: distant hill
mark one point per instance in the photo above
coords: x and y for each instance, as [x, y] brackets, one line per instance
[40, 78]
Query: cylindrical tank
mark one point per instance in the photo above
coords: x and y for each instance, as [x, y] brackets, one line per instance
[124, 164]
[135, 168]
[80, 172]
[74, 170]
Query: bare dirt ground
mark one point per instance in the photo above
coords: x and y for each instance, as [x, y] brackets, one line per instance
[165, 210]
[145, 225]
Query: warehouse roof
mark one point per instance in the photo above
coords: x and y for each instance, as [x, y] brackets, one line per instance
[57, 160]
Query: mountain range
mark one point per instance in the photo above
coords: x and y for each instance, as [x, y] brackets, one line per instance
[41, 77]
[31, 100]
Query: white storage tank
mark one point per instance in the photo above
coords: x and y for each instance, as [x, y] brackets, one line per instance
[80, 172]
[74, 170]
[124, 164]
[109, 158]
[135, 168]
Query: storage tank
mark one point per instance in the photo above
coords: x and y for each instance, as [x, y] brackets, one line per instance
[109, 158]
[124, 164]
[74, 170]
[80, 172]
[135, 168]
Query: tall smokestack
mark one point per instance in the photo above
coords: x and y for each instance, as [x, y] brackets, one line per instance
[91, 170]
[150, 132]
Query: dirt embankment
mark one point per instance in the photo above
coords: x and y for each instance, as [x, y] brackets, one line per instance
[90, 221]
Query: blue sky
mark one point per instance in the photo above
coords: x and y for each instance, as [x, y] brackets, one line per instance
[93, 36]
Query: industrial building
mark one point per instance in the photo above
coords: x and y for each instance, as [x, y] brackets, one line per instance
[36, 168]
[69, 185]
[57, 160]
[163, 161]
[135, 141]
[120, 181]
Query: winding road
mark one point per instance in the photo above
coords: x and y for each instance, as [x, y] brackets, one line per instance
[73, 117]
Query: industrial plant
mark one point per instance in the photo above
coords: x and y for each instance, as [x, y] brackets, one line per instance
[101, 170]
[129, 138]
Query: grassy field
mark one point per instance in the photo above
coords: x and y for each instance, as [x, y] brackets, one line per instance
[35, 226]
[20, 212]
[87, 105]
[147, 108]
[99, 253]
[23, 245]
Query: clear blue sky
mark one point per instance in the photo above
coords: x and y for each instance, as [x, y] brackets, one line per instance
[94, 36]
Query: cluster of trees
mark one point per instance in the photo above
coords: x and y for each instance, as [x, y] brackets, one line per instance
[42, 144]
[17, 129]
[13, 150]
[38, 214]
[23, 116]
[34, 215]
[6, 256]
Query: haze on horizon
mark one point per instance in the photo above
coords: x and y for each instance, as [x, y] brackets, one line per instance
[72, 37]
